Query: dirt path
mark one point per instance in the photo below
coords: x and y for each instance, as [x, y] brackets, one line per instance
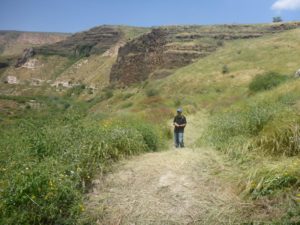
[170, 187]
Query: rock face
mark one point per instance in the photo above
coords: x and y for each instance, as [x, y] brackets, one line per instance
[94, 41]
[27, 54]
[172, 47]
[3, 65]
[31, 64]
[158, 50]
[139, 57]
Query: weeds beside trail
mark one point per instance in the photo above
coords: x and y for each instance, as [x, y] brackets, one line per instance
[49, 158]
[170, 187]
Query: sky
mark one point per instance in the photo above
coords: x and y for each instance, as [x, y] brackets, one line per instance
[78, 15]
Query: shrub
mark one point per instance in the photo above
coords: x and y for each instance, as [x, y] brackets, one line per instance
[108, 94]
[269, 184]
[270, 178]
[177, 102]
[126, 105]
[225, 69]
[78, 89]
[127, 96]
[150, 135]
[220, 43]
[267, 81]
[152, 92]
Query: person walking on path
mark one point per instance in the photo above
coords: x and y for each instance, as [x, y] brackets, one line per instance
[179, 125]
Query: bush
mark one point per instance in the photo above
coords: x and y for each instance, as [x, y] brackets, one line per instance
[220, 43]
[225, 69]
[126, 105]
[270, 178]
[269, 184]
[177, 102]
[267, 81]
[108, 94]
[152, 92]
[75, 90]
[127, 96]
[151, 135]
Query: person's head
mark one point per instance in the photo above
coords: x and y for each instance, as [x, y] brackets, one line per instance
[179, 111]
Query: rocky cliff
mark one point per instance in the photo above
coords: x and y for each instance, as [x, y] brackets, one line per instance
[94, 41]
[168, 48]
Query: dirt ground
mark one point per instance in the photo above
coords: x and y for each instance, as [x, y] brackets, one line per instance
[177, 186]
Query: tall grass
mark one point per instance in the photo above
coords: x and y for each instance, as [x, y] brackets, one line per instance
[262, 134]
[48, 162]
[267, 81]
[243, 121]
[267, 123]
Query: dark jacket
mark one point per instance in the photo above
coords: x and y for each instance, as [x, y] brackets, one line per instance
[180, 120]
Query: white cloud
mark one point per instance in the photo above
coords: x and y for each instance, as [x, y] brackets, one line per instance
[286, 5]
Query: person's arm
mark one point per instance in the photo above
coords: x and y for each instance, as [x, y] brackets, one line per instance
[184, 123]
[174, 122]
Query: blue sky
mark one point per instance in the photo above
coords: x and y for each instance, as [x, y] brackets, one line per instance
[78, 15]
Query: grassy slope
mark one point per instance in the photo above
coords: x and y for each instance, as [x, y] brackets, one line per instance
[202, 84]
[244, 58]
[95, 72]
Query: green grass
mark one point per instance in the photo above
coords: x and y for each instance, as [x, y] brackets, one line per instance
[257, 129]
[269, 120]
[261, 135]
[267, 81]
[48, 159]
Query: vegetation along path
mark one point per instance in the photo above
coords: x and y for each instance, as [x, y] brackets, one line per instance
[170, 187]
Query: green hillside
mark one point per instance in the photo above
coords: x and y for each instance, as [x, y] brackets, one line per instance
[258, 130]
[241, 99]
[203, 85]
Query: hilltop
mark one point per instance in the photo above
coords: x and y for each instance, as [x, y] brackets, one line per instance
[123, 55]
[13, 43]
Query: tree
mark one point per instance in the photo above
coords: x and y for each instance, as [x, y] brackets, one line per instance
[277, 19]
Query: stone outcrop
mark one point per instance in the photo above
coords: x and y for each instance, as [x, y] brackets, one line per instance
[139, 57]
[94, 41]
[11, 80]
[31, 64]
[167, 48]
[3, 65]
[27, 54]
